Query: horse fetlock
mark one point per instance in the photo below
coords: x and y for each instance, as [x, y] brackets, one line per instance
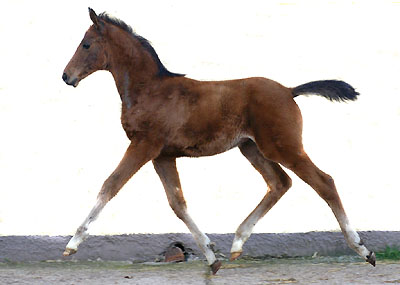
[238, 242]
[215, 266]
[368, 255]
[371, 258]
[235, 255]
[236, 249]
[69, 251]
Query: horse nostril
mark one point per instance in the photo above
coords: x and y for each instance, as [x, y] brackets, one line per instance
[65, 77]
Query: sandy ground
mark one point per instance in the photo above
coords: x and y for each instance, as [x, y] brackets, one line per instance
[341, 270]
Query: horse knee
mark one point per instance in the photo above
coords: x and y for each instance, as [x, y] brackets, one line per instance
[110, 187]
[328, 189]
[329, 181]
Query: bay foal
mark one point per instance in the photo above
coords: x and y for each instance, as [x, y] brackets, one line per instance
[166, 115]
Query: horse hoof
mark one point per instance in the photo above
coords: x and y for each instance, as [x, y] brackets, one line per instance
[215, 266]
[235, 255]
[69, 251]
[371, 258]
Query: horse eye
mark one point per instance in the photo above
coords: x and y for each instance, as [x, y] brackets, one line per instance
[86, 46]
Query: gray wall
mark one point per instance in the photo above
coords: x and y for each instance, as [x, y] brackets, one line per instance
[150, 247]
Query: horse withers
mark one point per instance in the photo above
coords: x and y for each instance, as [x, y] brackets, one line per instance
[167, 115]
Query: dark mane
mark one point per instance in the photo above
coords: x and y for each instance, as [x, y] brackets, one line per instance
[162, 70]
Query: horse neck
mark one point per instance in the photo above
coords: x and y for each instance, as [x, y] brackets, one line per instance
[130, 64]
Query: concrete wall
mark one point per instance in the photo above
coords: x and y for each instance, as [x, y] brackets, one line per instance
[60, 143]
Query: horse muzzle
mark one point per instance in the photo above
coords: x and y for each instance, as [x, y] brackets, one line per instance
[70, 80]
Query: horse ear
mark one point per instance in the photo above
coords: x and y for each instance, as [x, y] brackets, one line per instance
[93, 17]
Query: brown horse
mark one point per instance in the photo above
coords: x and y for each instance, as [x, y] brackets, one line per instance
[167, 115]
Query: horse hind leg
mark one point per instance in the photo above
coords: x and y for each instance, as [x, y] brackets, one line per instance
[278, 183]
[324, 185]
[166, 170]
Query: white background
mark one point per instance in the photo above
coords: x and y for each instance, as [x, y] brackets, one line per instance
[58, 144]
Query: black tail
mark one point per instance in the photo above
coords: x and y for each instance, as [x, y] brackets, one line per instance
[333, 90]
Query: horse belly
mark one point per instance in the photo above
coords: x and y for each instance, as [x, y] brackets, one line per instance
[217, 146]
[204, 148]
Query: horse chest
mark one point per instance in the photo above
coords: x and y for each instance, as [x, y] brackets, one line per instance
[136, 123]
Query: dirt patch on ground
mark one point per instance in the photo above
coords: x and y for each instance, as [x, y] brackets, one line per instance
[275, 271]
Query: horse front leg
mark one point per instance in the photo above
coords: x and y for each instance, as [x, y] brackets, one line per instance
[135, 157]
[166, 170]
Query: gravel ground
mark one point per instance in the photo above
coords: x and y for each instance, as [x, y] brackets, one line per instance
[343, 270]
